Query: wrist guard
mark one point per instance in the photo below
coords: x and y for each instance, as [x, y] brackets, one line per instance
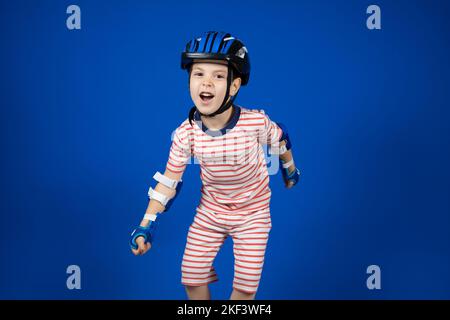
[148, 233]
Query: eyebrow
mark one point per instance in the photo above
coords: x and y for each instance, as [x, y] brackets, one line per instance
[200, 69]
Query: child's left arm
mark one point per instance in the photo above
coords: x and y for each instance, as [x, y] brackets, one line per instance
[287, 165]
[276, 135]
[291, 174]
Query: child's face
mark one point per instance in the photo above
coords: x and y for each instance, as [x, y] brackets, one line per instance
[208, 85]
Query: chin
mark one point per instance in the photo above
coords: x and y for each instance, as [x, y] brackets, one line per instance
[207, 109]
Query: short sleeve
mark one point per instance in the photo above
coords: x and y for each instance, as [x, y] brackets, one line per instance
[180, 152]
[270, 133]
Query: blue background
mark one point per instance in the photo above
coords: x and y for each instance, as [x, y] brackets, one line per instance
[86, 119]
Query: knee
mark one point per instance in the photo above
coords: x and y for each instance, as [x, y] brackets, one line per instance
[242, 295]
[198, 292]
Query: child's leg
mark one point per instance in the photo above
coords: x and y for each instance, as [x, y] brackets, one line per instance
[198, 292]
[249, 245]
[203, 242]
[240, 295]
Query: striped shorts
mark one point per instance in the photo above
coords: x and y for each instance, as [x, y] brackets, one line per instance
[209, 231]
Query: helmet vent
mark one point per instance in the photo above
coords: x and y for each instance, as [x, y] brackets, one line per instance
[241, 52]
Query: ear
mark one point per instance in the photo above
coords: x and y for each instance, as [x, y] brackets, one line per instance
[235, 85]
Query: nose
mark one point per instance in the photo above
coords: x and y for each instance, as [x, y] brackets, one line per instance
[206, 87]
[207, 82]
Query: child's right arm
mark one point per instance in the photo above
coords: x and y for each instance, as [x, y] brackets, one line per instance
[155, 206]
[178, 157]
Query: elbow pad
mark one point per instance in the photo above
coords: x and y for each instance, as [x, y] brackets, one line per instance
[162, 198]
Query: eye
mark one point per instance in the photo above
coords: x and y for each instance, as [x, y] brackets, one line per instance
[198, 74]
[220, 76]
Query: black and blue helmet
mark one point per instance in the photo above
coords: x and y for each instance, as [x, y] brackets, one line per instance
[214, 45]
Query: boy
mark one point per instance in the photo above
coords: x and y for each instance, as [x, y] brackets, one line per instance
[227, 141]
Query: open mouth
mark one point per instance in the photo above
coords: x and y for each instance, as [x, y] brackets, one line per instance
[206, 96]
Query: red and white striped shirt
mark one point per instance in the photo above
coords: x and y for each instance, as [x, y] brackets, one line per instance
[233, 167]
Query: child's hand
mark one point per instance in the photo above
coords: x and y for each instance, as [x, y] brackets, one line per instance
[142, 247]
[142, 237]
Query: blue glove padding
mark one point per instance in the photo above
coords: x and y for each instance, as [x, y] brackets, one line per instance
[294, 176]
[148, 233]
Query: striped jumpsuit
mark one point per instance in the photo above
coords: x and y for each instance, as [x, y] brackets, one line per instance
[235, 195]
